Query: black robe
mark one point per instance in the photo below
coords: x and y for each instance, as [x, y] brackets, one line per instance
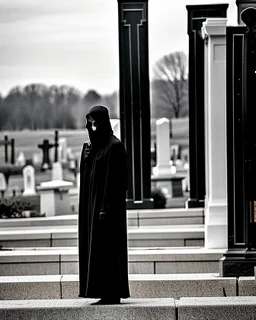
[103, 257]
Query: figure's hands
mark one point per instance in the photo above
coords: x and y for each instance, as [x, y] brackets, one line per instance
[103, 216]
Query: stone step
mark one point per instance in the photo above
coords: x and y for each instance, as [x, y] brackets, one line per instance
[81, 309]
[141, 286]
[210, 308]
[164, 236]
[221, 308]
[136, 218]
[140, 261]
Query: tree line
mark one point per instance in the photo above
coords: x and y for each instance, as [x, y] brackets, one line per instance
[37, 106]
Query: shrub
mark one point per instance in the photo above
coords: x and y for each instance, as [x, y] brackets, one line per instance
[11, 208]
[159, 199]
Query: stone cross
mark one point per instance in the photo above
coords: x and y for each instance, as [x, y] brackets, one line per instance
[29, 180]
[46, 146]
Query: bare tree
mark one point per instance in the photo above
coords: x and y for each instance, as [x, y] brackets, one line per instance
[34, 95]
[170, 85]
[63, 102]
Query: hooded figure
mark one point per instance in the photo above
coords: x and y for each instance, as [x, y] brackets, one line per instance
[103, 263]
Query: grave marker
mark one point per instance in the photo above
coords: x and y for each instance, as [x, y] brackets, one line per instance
[46, 146]
[57, 171]
[21, 160]
[29, 180]
[3, 184]
[163, 165]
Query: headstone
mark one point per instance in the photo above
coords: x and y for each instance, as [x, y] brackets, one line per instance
[29, 180]
[163, 166]
[3, 184]
[36, 159]
[54, 197]
[21, 160]
[57, 171]
[62, 150]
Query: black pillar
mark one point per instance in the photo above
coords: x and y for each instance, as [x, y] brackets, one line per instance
[6, 143]
[240, 259]
[56, 139]
[197, 14]
[134, 99]
[241, 5]
[12, 151]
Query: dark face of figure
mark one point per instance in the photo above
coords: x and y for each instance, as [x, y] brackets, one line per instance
[98, 124]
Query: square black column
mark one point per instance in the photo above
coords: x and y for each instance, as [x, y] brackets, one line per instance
[240, 259]
[197, 14]
[134, 99]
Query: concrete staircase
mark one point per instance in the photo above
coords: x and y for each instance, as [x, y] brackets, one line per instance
[160, 241]
[171, 275]
[53, 261]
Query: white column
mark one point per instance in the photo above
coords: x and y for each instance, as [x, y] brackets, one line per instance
[214, 33]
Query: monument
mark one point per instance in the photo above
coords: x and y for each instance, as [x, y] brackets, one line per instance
[29, 181]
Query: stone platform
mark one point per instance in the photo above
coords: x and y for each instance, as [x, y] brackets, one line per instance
[65, 236]
[136, 218]
[141, 286]
[62, 261]
[210, 308]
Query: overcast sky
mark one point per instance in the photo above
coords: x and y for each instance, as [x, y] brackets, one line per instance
[75, 42]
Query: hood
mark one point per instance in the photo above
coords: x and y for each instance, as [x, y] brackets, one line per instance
[100, 115]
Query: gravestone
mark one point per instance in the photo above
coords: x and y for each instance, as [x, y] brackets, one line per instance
[57, 171]
[36, 159]
[29, 180]
[3, 184]
[62, 150]
[163, 174]
[54, 197]
[21, 160]
[163, 165]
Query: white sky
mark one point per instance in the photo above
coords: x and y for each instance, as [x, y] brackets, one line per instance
[75, 42]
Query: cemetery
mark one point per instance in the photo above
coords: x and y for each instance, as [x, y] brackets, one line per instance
[191, 247]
